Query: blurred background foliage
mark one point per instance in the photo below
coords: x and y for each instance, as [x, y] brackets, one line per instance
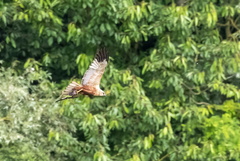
[172, 80]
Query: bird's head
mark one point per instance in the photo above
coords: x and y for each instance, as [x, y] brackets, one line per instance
[102, 93]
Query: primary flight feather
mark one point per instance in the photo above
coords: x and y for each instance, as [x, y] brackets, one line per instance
[91, 80]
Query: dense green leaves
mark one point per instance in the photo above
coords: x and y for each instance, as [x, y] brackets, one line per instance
[172, 82]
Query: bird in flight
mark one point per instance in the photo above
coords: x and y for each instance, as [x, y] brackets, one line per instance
[91, 80]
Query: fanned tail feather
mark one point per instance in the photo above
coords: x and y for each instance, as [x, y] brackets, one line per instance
[71, 91]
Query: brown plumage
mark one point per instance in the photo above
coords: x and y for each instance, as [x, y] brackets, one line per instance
[91, 80]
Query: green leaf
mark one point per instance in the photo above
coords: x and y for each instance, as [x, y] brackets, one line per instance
[50, 41]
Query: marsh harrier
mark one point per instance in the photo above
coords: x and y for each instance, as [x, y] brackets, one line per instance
[91, 79]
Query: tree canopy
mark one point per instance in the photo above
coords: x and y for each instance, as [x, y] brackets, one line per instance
[172, 82]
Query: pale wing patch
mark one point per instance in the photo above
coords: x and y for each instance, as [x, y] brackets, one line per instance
[93, 75]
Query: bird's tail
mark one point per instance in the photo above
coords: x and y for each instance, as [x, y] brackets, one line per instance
[72, 91]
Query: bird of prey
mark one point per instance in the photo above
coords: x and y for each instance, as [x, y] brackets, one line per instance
[91, 79]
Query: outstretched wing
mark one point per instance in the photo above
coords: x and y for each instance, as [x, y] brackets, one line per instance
[93, 75]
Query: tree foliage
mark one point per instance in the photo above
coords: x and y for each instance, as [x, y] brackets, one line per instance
[172, 82]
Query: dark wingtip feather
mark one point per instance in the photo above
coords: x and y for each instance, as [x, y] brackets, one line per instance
[102, 54]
